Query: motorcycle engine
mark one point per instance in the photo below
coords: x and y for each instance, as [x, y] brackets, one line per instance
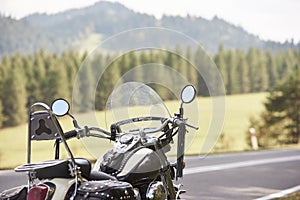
[156, 191]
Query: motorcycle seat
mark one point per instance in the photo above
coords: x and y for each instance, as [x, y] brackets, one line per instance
[61, 169]
[98, 176]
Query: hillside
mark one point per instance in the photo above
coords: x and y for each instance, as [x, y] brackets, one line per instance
[67, 29]
[20, 36]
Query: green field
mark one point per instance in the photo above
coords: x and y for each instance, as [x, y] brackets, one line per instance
[13, 143]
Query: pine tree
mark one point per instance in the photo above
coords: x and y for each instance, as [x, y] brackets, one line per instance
[272, 69]
[83, 93]
[180, 62]
[1, 114]
[252, 63]
[1, 93]
[192, 72]
[109, 79]
[261, 75]
[28, 70]
[14, 106]
[282, 65]
[123, 61]
[144, 57]
[70, 61]
[242, 73]
[170, 59]
[232, 85]
[4, 73]
[204, 72]
[98, 63]
[35, 79]
[220, 60]
[55, 83]
[280, 122]
[134, 63]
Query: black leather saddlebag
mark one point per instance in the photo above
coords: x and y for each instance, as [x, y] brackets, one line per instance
[112, 162]
[17, 193]
[107, 189]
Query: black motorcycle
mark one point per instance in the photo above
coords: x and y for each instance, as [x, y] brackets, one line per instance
[136, 168]
[143, 133]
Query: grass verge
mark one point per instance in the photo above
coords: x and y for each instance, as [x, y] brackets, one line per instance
[13, 143]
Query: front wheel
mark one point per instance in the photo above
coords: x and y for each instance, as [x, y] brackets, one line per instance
[179, 191]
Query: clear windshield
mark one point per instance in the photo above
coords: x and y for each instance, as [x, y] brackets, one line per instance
[149, 62]
[135, 100]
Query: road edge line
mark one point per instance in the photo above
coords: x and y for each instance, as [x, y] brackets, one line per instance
[219, 167]
[280, 194]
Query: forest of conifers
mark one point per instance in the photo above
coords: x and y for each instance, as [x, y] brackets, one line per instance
[25, 79]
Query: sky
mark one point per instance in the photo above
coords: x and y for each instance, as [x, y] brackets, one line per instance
[277, 20]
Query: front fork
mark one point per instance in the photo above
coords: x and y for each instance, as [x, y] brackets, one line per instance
[167, 181]
[167, 174]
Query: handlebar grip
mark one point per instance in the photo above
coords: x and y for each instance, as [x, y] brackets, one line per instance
[70, 134]
[178, 122]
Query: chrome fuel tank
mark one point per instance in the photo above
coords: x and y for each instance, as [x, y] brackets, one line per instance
[143, 165]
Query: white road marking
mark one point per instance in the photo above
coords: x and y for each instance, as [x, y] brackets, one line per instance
[238, 154]
[234, 165]
[280, 194]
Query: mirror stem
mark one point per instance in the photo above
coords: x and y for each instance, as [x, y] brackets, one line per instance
[75, 123]
[181, 112]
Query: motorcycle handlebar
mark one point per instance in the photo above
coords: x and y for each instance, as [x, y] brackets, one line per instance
[85, 132]
[70, 134]
[157, 129]
[174, 120]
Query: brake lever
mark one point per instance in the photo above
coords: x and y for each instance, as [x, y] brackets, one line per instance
[188, 125]
[191, 126]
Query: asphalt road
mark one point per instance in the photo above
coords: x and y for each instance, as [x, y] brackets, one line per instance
[241, 175]
[249, 175]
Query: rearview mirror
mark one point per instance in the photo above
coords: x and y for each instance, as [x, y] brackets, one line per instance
[188, 94]
[60, 107]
